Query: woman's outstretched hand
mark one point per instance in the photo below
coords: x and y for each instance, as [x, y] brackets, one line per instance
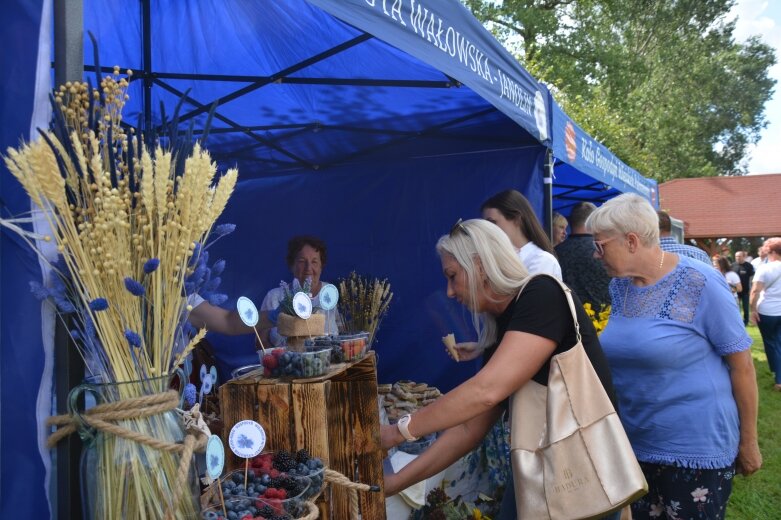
[390, 436]
[466, 351]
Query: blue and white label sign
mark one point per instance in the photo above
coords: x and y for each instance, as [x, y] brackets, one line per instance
[247, 311]
[328, 297]
[215, 457]
[302, 305]
[247, 439]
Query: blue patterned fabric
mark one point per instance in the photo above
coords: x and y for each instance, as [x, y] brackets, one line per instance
[664, 344]
[671, 246]
[684, 493]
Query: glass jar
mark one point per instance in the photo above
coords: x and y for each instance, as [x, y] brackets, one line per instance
[124, 478]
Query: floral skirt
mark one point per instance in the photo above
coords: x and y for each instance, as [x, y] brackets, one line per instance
[683, 493]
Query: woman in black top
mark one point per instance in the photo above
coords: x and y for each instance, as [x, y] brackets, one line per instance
[484, 274]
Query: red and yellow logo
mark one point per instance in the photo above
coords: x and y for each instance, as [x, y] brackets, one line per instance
[570, 141]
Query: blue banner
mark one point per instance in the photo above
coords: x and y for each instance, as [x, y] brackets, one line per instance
[445, 35]
[572, 145]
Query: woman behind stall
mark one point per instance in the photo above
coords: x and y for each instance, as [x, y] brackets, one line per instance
[730, 276]
[681, 364]
[484, 273]
[559, 229]
[306, 258]
[514, 215]
[765, 303]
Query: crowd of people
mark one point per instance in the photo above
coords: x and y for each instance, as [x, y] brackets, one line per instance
[674, 356]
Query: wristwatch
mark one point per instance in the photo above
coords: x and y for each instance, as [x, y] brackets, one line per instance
[403, 426]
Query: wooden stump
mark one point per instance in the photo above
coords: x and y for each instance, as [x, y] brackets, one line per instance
[335, 417]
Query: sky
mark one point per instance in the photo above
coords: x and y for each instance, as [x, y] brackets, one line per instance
[763, 18]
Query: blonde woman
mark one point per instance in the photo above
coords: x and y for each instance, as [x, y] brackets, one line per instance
[559, 229]
[680, 360]
[522, 333]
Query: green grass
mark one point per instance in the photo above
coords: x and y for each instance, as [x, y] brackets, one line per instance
[758, 497]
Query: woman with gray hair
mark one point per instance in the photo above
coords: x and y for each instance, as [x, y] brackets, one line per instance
[521, 333]
[681, 364]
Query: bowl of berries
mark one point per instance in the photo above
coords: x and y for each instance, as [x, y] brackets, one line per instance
[245, 509]
[298, 464]
[283, 363]
[267, 490]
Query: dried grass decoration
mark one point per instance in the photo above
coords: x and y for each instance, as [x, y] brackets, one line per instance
[129, 221]
[362, 304]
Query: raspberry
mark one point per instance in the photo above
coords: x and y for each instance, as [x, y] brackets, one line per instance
[270, 361]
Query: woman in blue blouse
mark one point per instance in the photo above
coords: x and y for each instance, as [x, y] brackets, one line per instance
[681, 366]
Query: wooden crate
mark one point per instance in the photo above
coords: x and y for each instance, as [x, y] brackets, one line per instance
[334, 417]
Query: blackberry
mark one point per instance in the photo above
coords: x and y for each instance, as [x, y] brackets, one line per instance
[293, 486]
[302, 456]
[266, 511]
[280, 517]
[283, 461]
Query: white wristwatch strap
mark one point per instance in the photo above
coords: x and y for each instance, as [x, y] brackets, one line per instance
[403, 426]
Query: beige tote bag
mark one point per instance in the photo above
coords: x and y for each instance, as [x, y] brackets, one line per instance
[570, 455]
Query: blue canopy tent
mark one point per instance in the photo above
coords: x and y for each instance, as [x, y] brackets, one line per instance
[585, 170]
[373, 128]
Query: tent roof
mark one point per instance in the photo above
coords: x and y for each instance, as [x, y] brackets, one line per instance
[297, 88]
[587, 170]
[725, 207]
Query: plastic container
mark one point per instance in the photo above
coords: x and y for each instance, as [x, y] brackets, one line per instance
[310, 467]
[262, 490]
[354, 345]
[283, 363]
[237, 508]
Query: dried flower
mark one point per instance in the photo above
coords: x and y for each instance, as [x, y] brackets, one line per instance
[218, 267]
[223, 229]
[190, 395]
[98, 304]
[363, 304]
[39, 291]
[217, 298]
[151, 265]
[133, 338]
[134, 287]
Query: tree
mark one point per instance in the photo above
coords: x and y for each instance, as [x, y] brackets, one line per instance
[662, 83]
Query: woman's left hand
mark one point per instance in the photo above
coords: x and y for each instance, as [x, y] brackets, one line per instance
[390, 436]
[749, 458]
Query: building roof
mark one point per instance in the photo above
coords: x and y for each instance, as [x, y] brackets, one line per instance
[725, 207]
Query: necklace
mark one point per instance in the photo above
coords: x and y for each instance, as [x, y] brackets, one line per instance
[626, 292]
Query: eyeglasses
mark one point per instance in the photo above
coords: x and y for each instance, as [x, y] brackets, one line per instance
[599, 245]
[459, 226]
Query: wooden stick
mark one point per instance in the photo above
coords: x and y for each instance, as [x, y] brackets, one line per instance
[246, 469]
[222, 498]
[260, 342]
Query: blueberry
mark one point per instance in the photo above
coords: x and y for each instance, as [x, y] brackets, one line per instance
[265, 480]
[232, 515]
[210, 515]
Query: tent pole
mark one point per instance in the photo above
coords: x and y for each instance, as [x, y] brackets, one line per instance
[146, 35]
[68, 366]
[547, 205]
